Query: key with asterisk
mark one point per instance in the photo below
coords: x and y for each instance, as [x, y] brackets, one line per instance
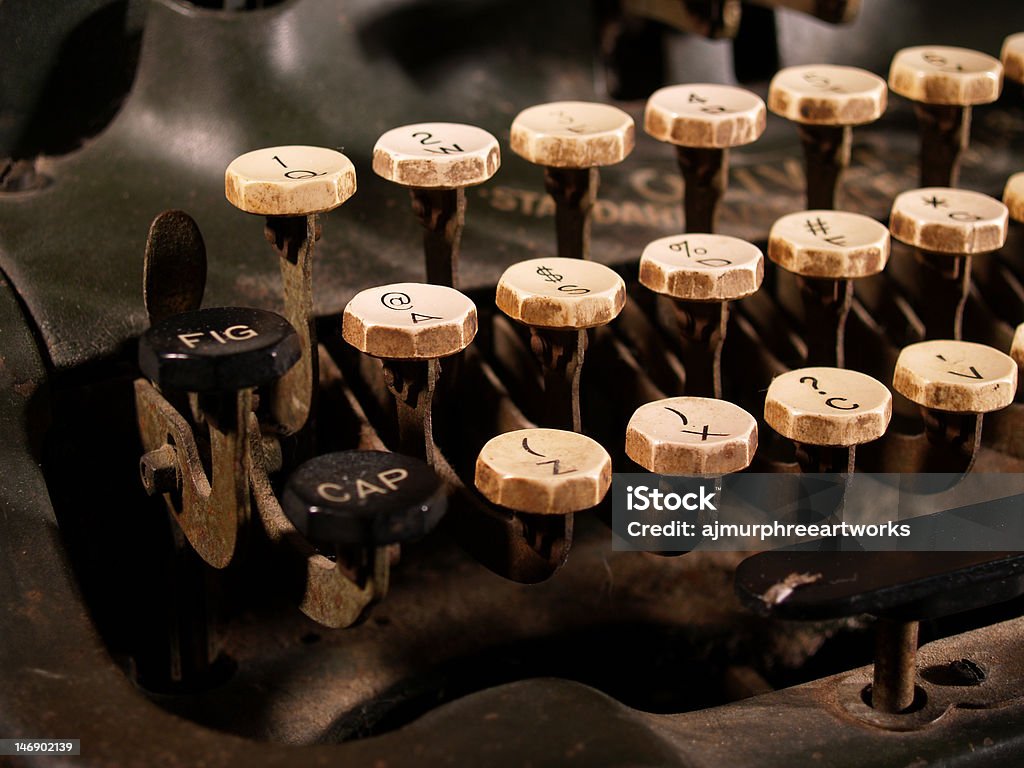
[948, 227]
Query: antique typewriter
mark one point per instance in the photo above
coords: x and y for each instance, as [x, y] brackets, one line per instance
[344, 548]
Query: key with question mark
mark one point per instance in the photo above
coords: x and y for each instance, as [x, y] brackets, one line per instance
[827, 412]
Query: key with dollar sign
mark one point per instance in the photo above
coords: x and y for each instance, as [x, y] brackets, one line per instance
[559, 299]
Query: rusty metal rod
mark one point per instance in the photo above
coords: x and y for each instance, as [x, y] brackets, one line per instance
[826, 307]
[892, 689]
[702, 326]
[561, 354]
[705, 179]
[945, 284]
[574, 191]
[826, 155]
[293, 396]
[412, 384]
[442, 213]
[953, 440]
[945, 133]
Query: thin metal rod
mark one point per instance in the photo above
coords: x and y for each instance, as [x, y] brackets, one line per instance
[561, 356]
[826, 307]
[705, 179]
[826, 154]
[892, 689]
[574, 191]
[293, 396]
[702, 326]
[945, 133]
[442, 212]
[945, 284]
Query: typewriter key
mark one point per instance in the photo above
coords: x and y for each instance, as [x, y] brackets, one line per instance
[291, 186]
[437, 161]
[543, 471]
[691, 436]
[947, 226]
[1012, 57]
[1013, 196]
[220, 354]
[702, 274]
[220, 349]
[703, 122]
[559, 299]
[571, 139]
[954, 383]
[825, 102]
[1017, 350]
[944, 83]
[410, 326]
[363, 498]
[827, 412]
[828, 250]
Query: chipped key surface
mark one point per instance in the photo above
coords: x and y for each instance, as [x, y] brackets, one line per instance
[691, 436]
[935, 74]
[829, 244]
[944, 220]
[702, 267]
[543, 471]
[573, 134]
[409, 321]
[1012, 57]
[561, 293]
[828, 406]
[289, 181]
[1013, 196]
[823, 94]
[704, 115]
[956, 376]
[436, 155]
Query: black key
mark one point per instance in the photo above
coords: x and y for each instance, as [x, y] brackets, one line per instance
[218, 349]
[366, 498]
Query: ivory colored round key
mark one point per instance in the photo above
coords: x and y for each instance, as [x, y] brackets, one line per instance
[289, 181]
[702, 267]
[935, 74]
[1013, 196]
[1012, 57]
[828, 407]
[1017, 349]
[409, 321]
[561, 293]
[436, 155]
[543, 471]
[829, 244]
[956, 376]
[573, 134]
[691, 436]
[944, 220]
[706, 116]
[824, 94]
